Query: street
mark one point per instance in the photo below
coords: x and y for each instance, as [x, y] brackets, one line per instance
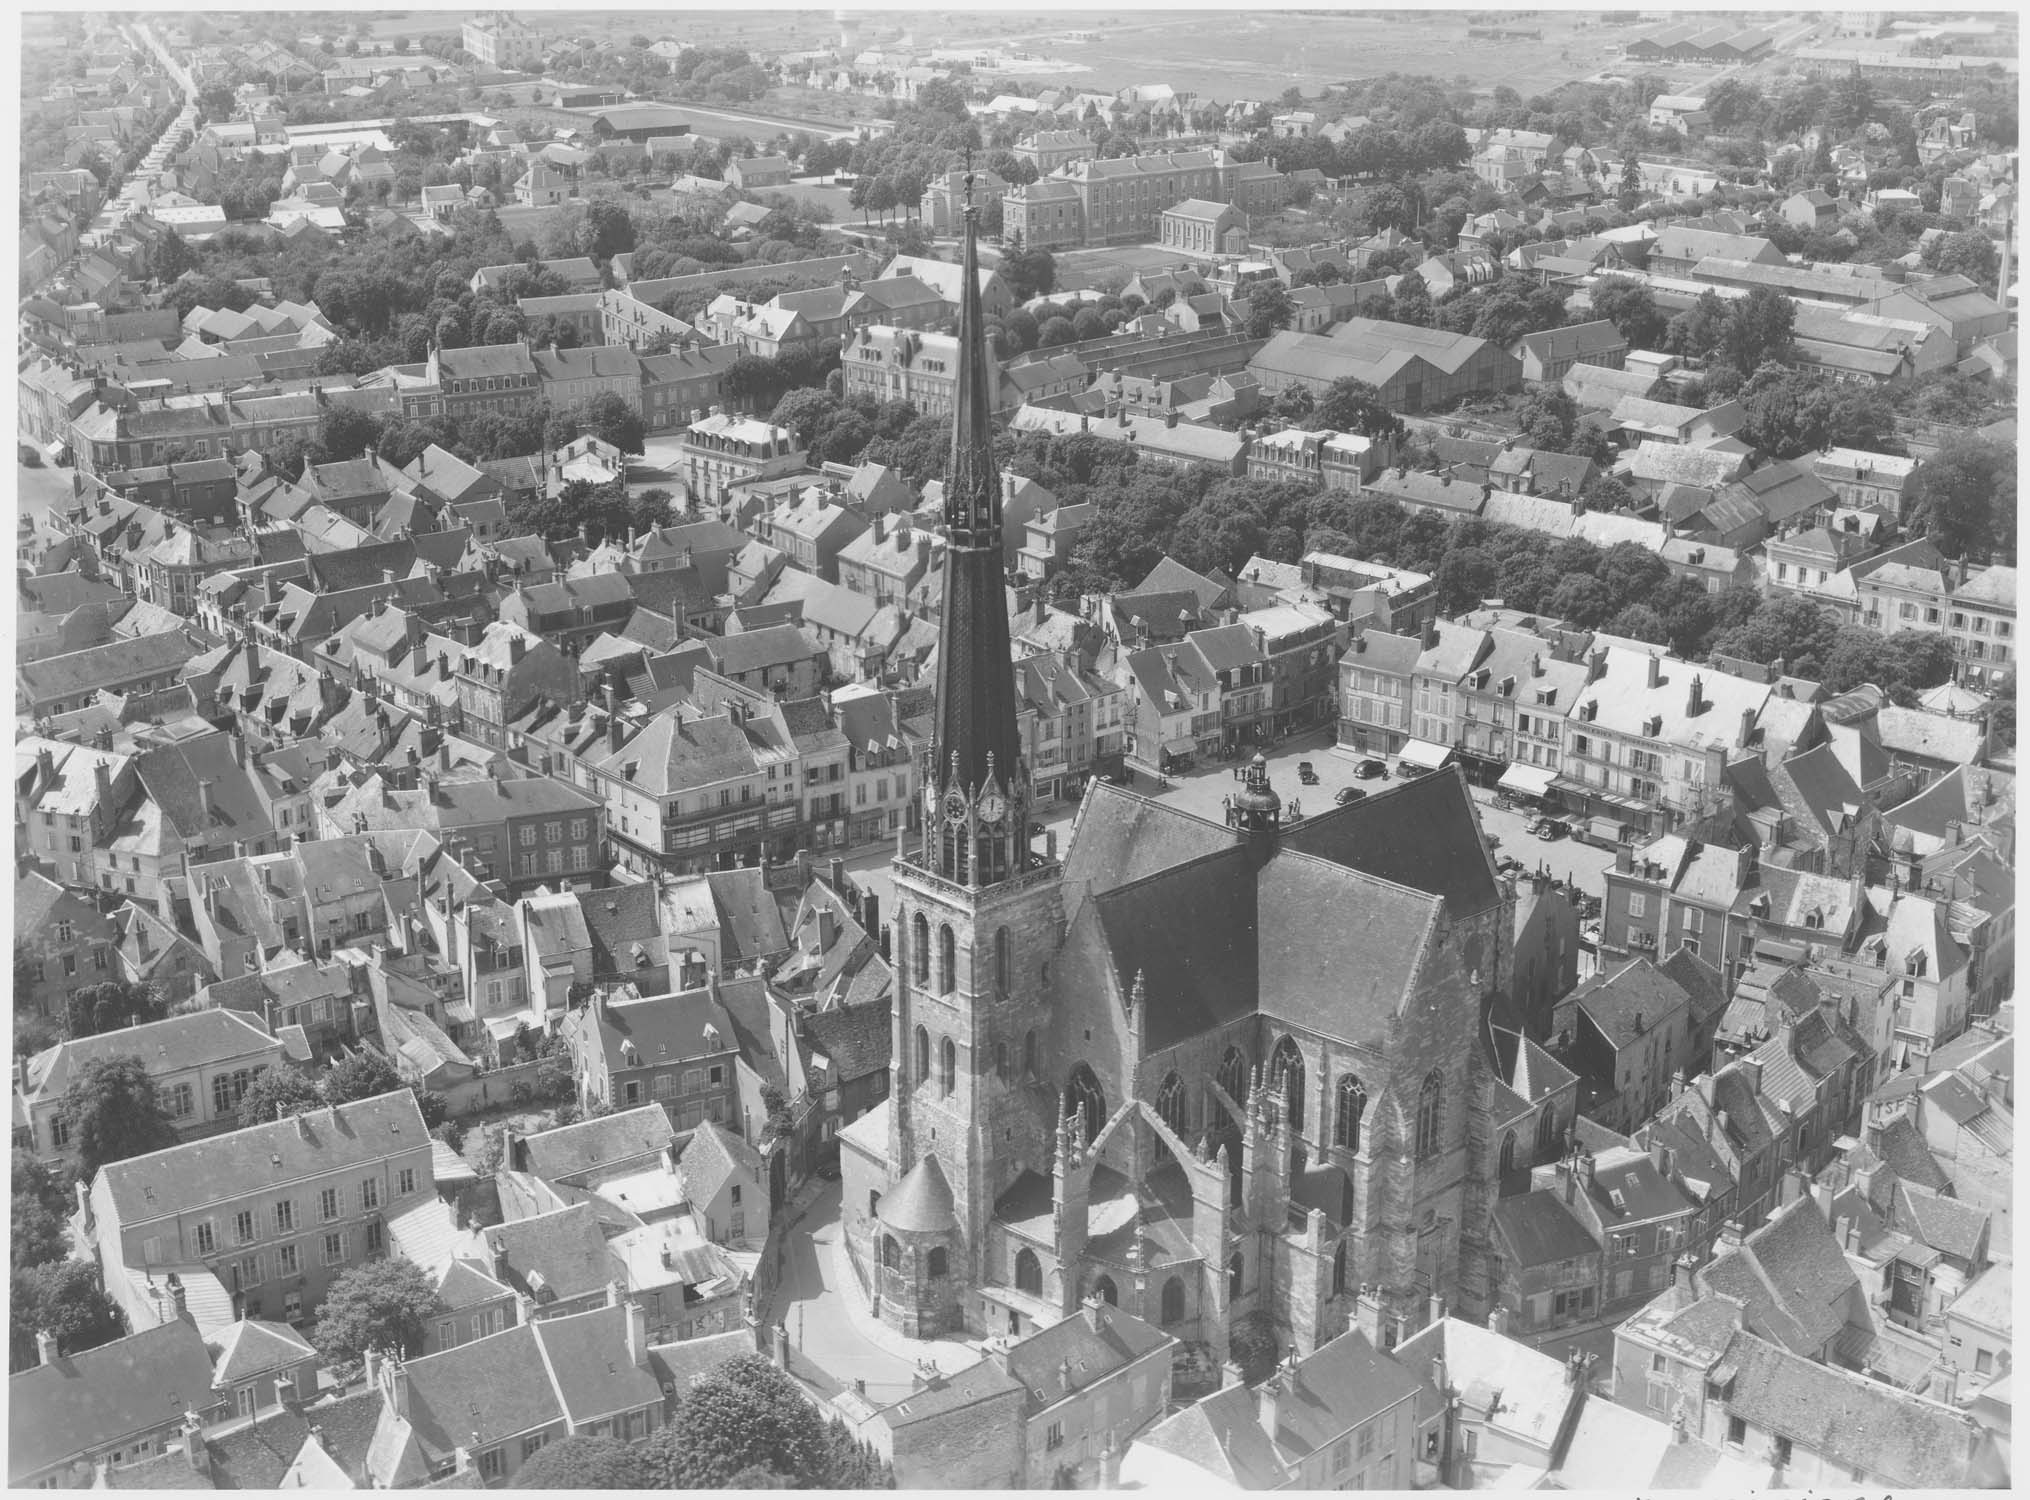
[830, 1325]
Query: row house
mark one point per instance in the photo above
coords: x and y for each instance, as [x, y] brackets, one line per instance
[202, 425]
[1625, 1032]
[572, 612]
[892, 561]
[570, 377]
[921, 368]
[811, 528]
[1327, 459]
[1073, 722]
[1883, 483]
[258, 1221]
[884, 733]
[1973, 608]
[721, 451]
[522, 830]
[679, 386]
[199, 1064]
[1649, 746]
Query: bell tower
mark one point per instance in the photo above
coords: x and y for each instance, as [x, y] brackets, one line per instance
[977, 914]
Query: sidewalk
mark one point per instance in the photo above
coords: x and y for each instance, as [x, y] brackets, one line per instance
[949, 1356]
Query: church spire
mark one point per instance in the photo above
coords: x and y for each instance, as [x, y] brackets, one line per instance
[978, 820]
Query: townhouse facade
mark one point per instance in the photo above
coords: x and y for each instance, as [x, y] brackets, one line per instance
[280, 1210]
[721, 451]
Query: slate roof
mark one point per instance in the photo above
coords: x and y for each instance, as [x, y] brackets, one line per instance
[183, 1179]
[558, 1255]
[167, 1046]
[1852, 1421]
[1791, 1277]
[594, 1145]
[1540, 1231]
[856, 1039]
[922, 1202]
[80, 1401]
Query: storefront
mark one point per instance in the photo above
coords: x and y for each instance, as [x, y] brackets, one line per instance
[1531, 786]
[1424, 755]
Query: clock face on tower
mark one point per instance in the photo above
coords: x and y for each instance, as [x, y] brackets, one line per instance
[993, 807]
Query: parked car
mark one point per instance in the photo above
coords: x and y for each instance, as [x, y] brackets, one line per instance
[1306, 773]
[1370, 768]
[1549, 829]
[1348, 794]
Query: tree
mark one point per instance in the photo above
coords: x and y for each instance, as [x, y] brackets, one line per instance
[1269, 309]
[62, 1298]
[277, 1093]
[801, 411]
[112, 1113]
[1971, 254]
[1966, 497]
[39, 1235]
[1631, 308]
[112, 1005]
[1353, 405]
[1789, 626]
[609, 417]
[1029, 273]
[1056, 331]
[379, 1304]
[585, 1463]
[364, 1074]
[1758, 329]
[746, 1416]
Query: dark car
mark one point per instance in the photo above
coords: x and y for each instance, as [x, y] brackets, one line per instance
[829, 1171]
[1306, 773]
[1550, 829]
[1370, 768]
[1408, 769]
[1348, 794]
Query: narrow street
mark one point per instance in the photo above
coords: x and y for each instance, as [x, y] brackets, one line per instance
[828, 1323]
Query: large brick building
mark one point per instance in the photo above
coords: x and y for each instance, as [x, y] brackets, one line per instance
[1124, 198]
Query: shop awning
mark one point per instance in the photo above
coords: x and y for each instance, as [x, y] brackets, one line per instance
[1529, 781]
[1424, 753]
[1178, 747]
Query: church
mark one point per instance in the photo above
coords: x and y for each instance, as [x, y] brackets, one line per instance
[1201, 1070]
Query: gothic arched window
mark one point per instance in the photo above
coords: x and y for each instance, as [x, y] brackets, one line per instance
[1346, 1120]
[1083, 1093]
[919, 947]
[891, 1253]
[1170, 1103]
[1508, 1153]
[1107, 1291]
[922, 1055]
[1430, 1113]
[1028, 1273]
[948, 1058]
[1173, 1301]
[1236, 1273]
[1339, 1269]
[1004, 964]
[947, 960]
[937, 1264]
[1233, 1078]
[1547, 1135]
[1287, 1067]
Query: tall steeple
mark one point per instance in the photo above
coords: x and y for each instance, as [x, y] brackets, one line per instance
[976, 789]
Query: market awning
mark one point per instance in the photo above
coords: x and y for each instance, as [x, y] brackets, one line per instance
[1529, 781]
[1424, 753]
